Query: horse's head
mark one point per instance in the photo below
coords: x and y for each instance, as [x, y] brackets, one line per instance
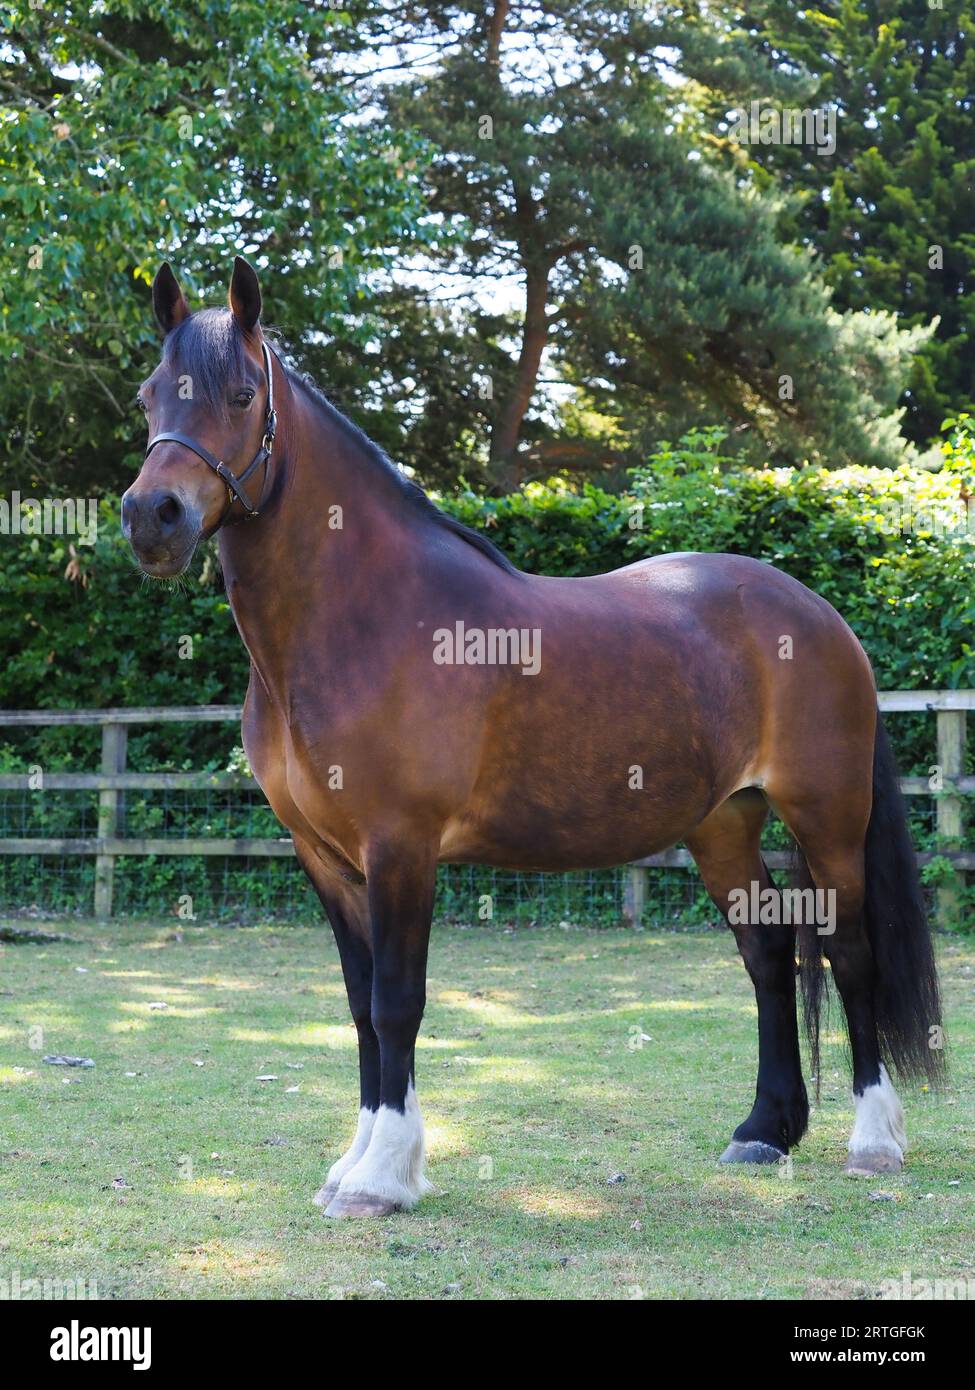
[211, 425]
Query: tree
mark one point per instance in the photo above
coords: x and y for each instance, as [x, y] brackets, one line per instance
[572, 151]
[892, 210]
[132, 131]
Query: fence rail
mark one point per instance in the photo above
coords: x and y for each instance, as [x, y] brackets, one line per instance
[949, 707]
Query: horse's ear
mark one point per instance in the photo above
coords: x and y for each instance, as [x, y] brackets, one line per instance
[245, 295]
[167, 299]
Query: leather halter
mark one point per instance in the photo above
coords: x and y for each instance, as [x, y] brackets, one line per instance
[234, 485]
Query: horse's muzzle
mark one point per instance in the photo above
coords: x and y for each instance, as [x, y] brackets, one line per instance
[161, 529]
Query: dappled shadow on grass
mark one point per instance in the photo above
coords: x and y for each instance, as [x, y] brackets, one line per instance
[579, 1087]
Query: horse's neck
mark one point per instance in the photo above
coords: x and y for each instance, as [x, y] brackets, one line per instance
[332, 529]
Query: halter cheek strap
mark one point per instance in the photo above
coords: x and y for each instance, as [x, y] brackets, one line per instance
[234, 484]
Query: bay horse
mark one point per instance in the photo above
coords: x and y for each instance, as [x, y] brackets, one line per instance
[415, 699]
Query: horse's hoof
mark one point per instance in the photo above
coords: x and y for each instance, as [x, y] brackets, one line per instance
[869, 1162]
[751, 1151]
[325, 1194]
[360, 1204]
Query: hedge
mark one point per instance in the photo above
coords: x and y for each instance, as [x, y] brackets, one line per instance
[892, 550]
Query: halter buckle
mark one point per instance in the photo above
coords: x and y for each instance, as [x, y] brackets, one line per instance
[270, 428]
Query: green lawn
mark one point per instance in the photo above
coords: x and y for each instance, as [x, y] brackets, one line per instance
[550, 1061]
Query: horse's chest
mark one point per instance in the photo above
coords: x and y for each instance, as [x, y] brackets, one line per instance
[306, 790]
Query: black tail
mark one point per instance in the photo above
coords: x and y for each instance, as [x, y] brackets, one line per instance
[907, 998]
[812, 975]
[908, 1001]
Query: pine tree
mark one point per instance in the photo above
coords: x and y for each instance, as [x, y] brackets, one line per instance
[893, 210]
[573, 154]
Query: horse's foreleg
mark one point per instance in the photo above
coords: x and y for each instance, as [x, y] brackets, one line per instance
[346, 908]
[357, 968]
[389, 1174]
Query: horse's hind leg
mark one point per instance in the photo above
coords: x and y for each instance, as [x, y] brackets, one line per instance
[346, 909]
[726, 848]
[832, 838]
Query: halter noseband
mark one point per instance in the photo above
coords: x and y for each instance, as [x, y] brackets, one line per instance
[234, 485]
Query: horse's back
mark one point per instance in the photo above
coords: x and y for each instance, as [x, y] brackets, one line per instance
[687, 675]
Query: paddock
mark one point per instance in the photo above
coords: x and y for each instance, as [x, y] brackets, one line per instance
[576, 1083]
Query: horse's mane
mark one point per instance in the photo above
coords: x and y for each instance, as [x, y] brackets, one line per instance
[410, 492]
[209, 348]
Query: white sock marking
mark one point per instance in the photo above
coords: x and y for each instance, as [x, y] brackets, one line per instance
[392, 1165]
[363, 1133]
[879, 1124]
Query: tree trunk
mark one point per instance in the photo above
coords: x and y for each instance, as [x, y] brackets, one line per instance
[512, 411]
[495, 28]
[534, 332]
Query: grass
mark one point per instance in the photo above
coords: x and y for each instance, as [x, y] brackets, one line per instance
[550, 1061]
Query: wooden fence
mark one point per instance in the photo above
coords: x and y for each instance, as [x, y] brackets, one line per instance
[948, 706]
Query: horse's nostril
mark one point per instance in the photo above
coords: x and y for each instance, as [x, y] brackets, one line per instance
[169, 511]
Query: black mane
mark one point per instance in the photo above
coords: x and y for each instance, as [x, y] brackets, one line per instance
[410, 491]
[209, 348]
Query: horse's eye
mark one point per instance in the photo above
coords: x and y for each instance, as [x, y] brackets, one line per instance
[142, 405]
[243, 399]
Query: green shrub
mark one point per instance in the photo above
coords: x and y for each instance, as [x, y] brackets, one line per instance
[888, 548]
[891, 549]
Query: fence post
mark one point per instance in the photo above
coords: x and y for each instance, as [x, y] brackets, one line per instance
[948, 809]
[114, 740]
[634, 895]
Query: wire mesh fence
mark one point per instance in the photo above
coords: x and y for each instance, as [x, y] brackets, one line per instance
[241, 888]
[245, 889]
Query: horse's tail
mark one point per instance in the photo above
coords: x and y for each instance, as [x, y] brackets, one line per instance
[907, 1000]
